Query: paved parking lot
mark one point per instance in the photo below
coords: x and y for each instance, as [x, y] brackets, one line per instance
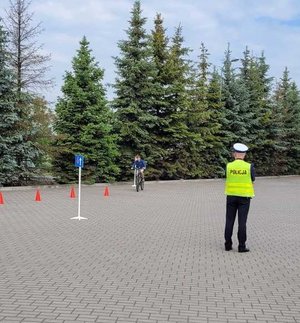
[152, 256]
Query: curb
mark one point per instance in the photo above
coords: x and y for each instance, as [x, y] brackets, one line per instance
[58, 186]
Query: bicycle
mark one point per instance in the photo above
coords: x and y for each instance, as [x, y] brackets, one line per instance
[139, 180]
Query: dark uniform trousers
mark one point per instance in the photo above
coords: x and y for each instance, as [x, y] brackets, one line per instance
[234, 205]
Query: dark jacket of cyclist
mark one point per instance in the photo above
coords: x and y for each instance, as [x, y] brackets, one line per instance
[139, 164]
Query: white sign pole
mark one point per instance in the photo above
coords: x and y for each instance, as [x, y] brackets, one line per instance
[78, 217]
[79, 191]
[134, 176]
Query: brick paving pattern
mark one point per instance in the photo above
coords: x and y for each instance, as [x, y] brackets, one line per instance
[153, 256]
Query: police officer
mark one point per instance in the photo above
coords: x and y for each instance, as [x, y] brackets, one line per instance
[240, 176]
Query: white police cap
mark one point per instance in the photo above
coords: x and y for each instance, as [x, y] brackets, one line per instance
[240, 148]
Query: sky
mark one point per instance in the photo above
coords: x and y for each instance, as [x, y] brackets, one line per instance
[271, 26]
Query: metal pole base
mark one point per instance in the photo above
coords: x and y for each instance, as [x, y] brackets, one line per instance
[78, 218]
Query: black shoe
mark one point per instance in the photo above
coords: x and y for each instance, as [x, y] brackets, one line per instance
[244, 250]
[228, 246]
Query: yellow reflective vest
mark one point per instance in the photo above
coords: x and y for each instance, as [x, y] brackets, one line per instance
[238, 179]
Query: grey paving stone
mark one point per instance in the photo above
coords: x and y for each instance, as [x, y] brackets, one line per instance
[9, 312]
[46, 316]
[152, 256]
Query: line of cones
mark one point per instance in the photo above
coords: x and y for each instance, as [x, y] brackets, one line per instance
[38, 197]
[73, 194]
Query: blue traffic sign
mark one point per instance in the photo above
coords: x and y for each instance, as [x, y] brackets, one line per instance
[79, 161]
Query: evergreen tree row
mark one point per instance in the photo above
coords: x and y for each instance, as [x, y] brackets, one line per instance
[182, 116]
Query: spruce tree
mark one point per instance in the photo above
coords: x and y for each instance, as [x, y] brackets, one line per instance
[83, 124]
[15, 155]
[217, 142]
[29, 66]
[197, 114]
[176, 136]
[198, 117]
[8, 119]
[287, 103]
[294, 133]
[134, 90]
[159, 52]
[236, 105]
[254, 75]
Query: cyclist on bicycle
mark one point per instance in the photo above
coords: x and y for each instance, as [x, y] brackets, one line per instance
[139, 164]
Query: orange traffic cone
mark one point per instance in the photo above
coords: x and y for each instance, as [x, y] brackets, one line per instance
[106, 191]
[1, 198]
[72, 193]
[38, 196]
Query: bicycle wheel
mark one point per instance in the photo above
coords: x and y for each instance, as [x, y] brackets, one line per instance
[137, 182]
[142, 184]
